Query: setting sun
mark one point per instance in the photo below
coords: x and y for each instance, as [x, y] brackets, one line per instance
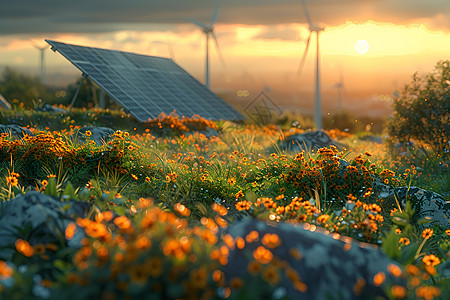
[361, 46]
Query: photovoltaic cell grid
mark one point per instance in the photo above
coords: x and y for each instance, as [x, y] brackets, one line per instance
[146, 85]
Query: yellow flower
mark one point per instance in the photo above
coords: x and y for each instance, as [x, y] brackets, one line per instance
[88, 133]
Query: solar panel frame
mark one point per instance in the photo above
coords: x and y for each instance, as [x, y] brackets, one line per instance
[146, 85]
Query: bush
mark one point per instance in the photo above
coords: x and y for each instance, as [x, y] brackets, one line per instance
[422, 110]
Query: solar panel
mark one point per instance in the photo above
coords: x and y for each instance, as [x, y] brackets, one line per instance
[146, 85]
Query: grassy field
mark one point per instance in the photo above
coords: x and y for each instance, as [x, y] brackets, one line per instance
[160, 195]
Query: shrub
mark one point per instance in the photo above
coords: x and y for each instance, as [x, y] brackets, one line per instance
[422, 110]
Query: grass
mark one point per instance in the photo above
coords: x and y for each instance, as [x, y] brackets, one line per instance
[162, 191]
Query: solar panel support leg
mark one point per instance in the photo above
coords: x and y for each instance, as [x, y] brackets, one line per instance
[102, 99]
[76, 92]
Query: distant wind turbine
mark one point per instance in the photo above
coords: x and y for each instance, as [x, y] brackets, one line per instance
[42, 59]
[340, 89]
[313, 28]
[209, 32]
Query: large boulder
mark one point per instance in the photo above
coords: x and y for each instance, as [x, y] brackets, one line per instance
[38, 218]
[328, 266]
[308, 141]
[15, 131]
[427, 205]
[100, 135]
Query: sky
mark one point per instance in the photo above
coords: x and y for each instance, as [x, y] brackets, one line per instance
[262, 42]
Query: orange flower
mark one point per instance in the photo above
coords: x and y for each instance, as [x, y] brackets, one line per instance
[138, 274]
[243, 205]
[39, 249]
[431, 260]
[379, 279]
[122, 222]
[262, 255]
[199, 277]
[394, 270]
[427, 233]
[254, 267]
[398, 291]
[44, 182]
[154, 266]
[427, 292]
[12, 180]
[405, 241]
[252, 236]
[271, 275]
[70, 230]
[182, 210]
[236, 283]
[239, 194]
[5, 270]
[322, 218]
[88, 133]
[271, 240]
[231, 181]
[24, 247]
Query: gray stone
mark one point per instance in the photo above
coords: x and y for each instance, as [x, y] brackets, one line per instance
[49, 108]
[42, 218]
[15, 131]
[427, 205]
[330, 265]
[100, 135]
[308, 141]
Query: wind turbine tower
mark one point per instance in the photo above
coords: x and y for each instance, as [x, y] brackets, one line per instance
[42, 60]
[209, 33]
[314, 28]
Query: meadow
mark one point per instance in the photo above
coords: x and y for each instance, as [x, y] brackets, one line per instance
[159, 198]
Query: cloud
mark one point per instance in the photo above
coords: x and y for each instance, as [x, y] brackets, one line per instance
[52, 16]
[287, 34]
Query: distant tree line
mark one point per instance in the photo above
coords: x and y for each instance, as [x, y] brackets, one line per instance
[26, 89]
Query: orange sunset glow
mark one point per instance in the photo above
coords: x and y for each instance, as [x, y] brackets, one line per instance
[369, 53]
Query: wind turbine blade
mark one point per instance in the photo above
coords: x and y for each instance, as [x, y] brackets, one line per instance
[305, 54]
[219, 52]
[171, 52]
[305, 11]
[216, 12]
[198, 23]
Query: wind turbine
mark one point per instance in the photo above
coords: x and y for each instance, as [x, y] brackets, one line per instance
[313, 28]
[340, 88]
[42, 59]
[209, 32]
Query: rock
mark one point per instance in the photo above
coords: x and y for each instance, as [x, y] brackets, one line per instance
[100, 135]
[49, 108]
[15, 130]
[372, 138]
[330, 266]
[427, 204]
[308, 141]
[42, 218]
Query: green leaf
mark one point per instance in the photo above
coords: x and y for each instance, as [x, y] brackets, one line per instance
[391, 245]
[120, 210]
[69, 192]
[50, 189]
